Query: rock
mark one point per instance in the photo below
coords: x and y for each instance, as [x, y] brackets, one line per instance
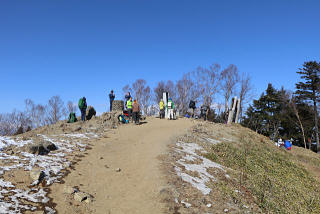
[82, 196]
[38, 149]
[41, 148]
[37, 175]
[209, 205]
[49, 146]
[10, 150]
[77, 129]
[118, 170]
[117, 105]
[90, 113]
[66, 164]
[69, 190]
[186, 204]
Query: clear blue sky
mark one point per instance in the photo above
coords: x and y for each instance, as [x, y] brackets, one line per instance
[83, 48]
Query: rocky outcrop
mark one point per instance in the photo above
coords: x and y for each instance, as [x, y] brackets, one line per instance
[41, 148]
[37, 175]
[90, 113]
[117, 105]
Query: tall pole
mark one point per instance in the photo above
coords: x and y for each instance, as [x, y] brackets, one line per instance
[238, 110]
[231, 112]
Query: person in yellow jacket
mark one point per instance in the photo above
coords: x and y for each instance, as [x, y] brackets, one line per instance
[129, 108]
[162, 109]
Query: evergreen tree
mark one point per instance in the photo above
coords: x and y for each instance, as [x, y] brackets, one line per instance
[308, 89]
[264, 115]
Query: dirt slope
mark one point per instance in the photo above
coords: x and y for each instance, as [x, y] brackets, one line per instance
[135, 189]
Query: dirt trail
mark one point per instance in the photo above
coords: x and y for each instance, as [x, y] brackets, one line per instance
[133, 149]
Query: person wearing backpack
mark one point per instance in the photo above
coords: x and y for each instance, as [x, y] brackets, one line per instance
[129, 108]
[83, 108]
[111, 99]
[161, 107]
[170, 107]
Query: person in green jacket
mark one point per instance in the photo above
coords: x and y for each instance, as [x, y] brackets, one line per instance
[129, 108]
[170, 107]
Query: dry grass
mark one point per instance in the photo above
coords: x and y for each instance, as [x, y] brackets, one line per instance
[276, 180]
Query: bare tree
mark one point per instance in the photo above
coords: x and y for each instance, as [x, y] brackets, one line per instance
[10, 123]
[146, 100]
[55, 109]
[208, 82]
[230, 78]
[246, 89]
[296, 112]
[142, 93]
[158, 91]
[71, 107]
[186, 91]
[161, 87]
[171, 88]
[36, 113]
[138, 87]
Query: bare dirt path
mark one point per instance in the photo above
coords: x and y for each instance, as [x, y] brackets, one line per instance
[135, 189]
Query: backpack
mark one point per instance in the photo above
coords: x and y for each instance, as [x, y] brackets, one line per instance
[72, 118]
[81, 103]
[192, 104]
[122, 119]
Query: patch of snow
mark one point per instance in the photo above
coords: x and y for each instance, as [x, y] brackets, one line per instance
[212, 141]
[49, 210]
[189, 151]
[176, 200]
[5, 183]
[52, 165]
[187, 205]
[8, 141]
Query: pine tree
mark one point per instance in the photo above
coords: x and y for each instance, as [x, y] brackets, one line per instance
[264, 115]
[308, 89]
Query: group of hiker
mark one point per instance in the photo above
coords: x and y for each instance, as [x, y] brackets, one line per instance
[132, 108]
[286, 144]
[170, 108]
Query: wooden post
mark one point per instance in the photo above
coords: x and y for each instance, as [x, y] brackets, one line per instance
[231, 112]
[165, 101]
[238, 110]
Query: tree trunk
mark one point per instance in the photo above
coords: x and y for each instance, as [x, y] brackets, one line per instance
[302, 129]
[316, 123]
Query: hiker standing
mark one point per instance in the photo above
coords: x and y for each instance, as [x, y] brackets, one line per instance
[111, 98]
[170, 107]
[161, 107]
[192, 105]
[204, 112]
[83, 108]
[129, 108]
[136, 112]
[127, 97]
